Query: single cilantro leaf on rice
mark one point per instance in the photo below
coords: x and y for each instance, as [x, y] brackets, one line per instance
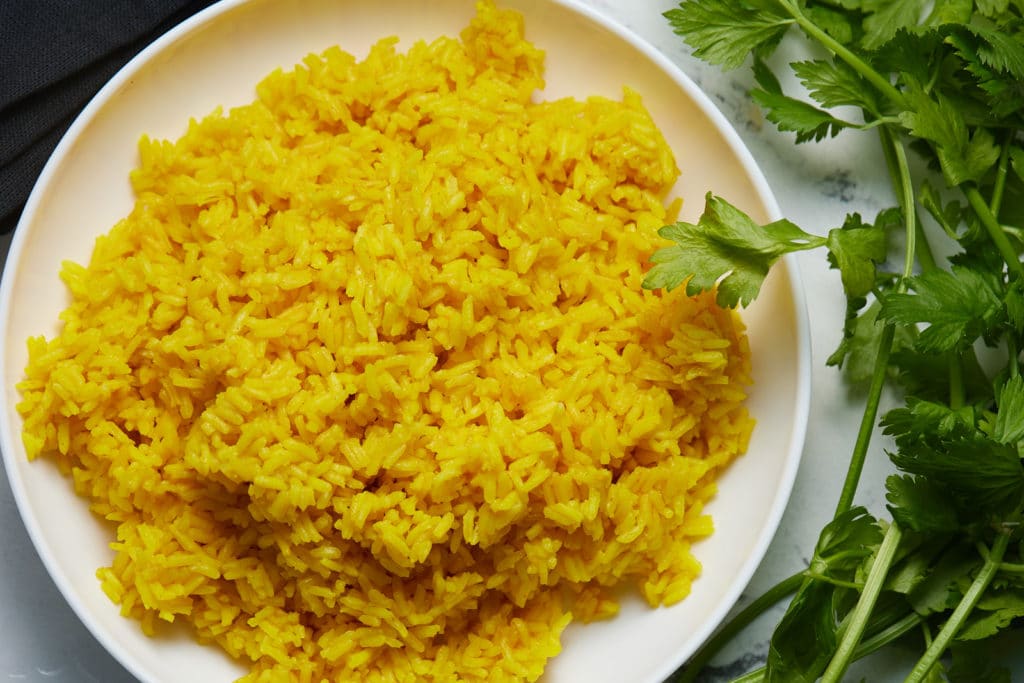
[725, 247]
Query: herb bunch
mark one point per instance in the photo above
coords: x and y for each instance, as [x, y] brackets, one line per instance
[943, 80]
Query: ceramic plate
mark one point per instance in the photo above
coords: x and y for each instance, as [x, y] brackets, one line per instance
[215, 59]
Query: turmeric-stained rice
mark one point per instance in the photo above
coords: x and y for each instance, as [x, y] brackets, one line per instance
[368, 383]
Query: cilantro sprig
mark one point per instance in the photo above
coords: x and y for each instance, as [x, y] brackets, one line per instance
[942, 80]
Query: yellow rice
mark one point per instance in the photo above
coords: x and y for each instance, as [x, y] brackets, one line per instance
[367, 381]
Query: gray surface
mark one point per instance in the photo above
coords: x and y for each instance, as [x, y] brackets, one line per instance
[816, 186]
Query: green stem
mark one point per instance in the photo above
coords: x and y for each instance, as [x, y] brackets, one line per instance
[1000, 183]
[962, 611]
[907, 200]
[834, 582]
[995, 231]
[839, 50]
[866, 647]
[734, 626]
[923, 252]
[878, 374]
[858, 619]
[867, 422]
[887, 635]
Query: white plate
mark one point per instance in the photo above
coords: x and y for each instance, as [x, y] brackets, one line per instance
[216, 58]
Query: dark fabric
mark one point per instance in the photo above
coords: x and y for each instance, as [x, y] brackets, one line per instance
[54, 56]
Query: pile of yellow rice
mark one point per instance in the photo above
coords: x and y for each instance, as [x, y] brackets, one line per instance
[367, 380]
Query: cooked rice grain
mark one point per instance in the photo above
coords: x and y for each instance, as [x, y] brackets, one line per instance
[368, 383]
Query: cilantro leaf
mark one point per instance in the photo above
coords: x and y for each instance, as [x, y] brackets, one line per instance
[845, 542]
[939, 591]
[993, 66]
[922, 420]
[985, 476]
[981, 624]
[958, 305]
[927, 375]
[910, 55]
[1009, 426]
[813, 616]
[995, 611]
[861, 337]
[835, 23]
[949, 216]
[1014, 302]
[918, 504]
[834, 84]
[854, 249]
[973, 662]
[1017, 161]
[950, 12]
[998, 49]
[816, 611]
[963, 156]
[725, 247]
[887, 17]
[790, 114]
[992, 8]
[725, 33]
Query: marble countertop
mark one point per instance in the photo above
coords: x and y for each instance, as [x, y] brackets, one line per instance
[816, 186]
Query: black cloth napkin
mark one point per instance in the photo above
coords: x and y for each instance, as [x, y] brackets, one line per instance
[54, 56]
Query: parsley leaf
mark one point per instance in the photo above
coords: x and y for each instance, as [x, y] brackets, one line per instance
[727, 248]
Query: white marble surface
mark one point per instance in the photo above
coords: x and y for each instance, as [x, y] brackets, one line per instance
[816, 185]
